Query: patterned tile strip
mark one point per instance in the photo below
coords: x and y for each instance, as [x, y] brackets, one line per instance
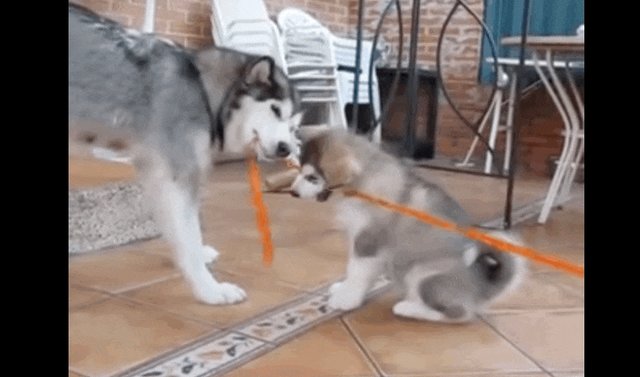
[203, 358]
[224, 351]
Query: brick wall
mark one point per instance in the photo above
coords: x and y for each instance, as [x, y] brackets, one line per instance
[183, 21]
[541, 123]
[332, 13]
[187, 22]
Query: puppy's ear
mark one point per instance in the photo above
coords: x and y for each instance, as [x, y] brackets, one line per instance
[343, 170]
[260, 71]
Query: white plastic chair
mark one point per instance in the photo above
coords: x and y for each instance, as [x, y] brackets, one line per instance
[244, 25]
[345, 52]
[311, 63]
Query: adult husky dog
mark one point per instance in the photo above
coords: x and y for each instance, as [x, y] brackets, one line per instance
[168, 106]
[445, 276]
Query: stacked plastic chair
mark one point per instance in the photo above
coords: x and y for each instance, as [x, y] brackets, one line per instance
[345, 52]
[311, 63]
[244, 25]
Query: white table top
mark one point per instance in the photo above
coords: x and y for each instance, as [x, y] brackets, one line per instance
[552, 42]
[530, 62]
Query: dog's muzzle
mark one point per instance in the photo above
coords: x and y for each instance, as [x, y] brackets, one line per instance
[324, 195]
[283, 150]
[321, 197]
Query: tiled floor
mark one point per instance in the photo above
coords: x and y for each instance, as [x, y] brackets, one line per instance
[129, 306]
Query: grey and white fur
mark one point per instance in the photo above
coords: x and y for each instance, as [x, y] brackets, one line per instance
[444, 276]
[168, 107]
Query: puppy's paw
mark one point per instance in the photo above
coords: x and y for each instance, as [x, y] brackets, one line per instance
[215, 293]
[210, 254]
[344, 298]
[334, 287]
[410, 309]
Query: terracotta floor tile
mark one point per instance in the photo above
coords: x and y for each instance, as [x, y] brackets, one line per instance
[327, 350]
[544, 290]
[72, 374]
[175, 296]
[562, 235]
[118, 270]
[554, 339]
[526, 374]
[82, 296]
[301, 268]
[112, 335]
[403, 346]
[567, 374]
[484, 197]
[85, 172]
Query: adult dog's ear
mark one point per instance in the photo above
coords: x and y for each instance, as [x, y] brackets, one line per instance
[260, 71]
[295, 120]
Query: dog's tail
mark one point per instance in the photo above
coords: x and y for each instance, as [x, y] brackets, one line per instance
[496, 272]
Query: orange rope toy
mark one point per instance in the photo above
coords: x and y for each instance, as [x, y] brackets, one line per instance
[474, 234]
[262, 217]
[470, 233]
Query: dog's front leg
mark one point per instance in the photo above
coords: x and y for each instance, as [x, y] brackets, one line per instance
[176, 212]
[365, 264]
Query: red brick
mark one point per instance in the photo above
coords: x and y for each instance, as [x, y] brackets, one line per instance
[161, 26]
[171, 15]
[124, 8]
[195, 42]
[182, 28]
[98, 6]
[198, 18]
[185, 5]
[121, 18]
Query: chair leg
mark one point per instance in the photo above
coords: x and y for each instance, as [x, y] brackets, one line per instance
[494, 131]
[509, 125]
[573, 169]
[474, 142]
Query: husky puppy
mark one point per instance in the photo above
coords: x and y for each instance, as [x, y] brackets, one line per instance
[444, 276]
[167, 106]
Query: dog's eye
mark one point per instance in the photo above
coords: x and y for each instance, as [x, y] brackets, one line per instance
[311, 178]
[276, 110]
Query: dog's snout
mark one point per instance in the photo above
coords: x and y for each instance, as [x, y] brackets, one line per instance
[324, 195]
[295, 194]
[283, 149]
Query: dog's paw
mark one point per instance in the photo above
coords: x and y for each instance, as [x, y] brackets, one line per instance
[220, 294]
[344, 298]
[210, 254]
[334, 287]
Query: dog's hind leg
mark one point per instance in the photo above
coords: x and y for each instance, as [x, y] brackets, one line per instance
[175, 205]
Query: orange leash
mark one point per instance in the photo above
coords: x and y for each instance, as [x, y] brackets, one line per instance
[262, 217]
[474, 234]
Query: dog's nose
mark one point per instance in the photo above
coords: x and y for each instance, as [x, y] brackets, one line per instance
[295, 194]
[283, 149]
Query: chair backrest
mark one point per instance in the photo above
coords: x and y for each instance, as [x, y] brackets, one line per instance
[295, 18]
[345, 53]
[226, 12]
[244, 25]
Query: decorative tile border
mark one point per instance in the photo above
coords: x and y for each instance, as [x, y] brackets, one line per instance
[222, 352]
[204, 357]
[297, 318]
